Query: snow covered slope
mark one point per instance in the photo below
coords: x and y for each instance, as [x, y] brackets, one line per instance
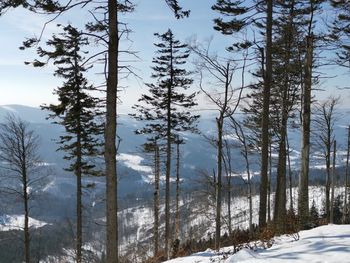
[16, 222]
[325, 244]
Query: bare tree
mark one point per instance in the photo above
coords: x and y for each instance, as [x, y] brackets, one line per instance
[19, 157]
[226, 100]
[325, 118]
[245, 153]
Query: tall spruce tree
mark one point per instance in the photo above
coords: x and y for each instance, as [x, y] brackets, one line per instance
[76, 111]
[285, 92]
[166, 107]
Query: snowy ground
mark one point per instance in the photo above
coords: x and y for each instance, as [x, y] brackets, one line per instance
[325, 244]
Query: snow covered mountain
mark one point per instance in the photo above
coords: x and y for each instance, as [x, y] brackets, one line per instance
[135, 167]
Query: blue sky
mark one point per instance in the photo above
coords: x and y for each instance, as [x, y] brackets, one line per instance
[20, 84]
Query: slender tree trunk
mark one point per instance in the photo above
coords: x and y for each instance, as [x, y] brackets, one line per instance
[328, 178]
[110, 135]
[229, 214]
[26, 215]
[219, 124]
[156, 198]
[250, 196]
[345, 214]
[333, 182]
[265, 118]
[78, 174]
[290, 174]
[247, 166]
[269, 184]
[303, 200]
[228, 172]
[177, 223]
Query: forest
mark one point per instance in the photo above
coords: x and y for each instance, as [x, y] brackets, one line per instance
[260, 93]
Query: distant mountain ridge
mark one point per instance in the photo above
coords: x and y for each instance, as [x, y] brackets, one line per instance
[135, 166]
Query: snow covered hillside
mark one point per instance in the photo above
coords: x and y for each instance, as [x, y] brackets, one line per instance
[323, 244]
[16, 222]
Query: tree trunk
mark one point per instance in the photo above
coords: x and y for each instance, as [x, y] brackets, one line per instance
[177, 222]
[229, 214]
[250, 196]
[269, 184]
[303, 200]
[156, 199]
[78, 174]
[219, 123]
[333, 182]
[280, 197]
[110, 135]
[265, 118]
[345, 214]
[328, 178]
[290, 174]
[26, 215]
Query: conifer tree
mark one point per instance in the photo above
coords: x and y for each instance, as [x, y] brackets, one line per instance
[76, 111]
[285, 92]
[166, 107]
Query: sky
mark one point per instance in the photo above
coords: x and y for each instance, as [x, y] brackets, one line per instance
[22, 84]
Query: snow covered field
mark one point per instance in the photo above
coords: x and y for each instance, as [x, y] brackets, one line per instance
[325, 244]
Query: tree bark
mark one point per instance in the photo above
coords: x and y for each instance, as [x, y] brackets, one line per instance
[303, 200]
[265, 117]
[110, 135]
[219, 124]
[177, 220]
[269, 184]
[333, 182]
[328, 176]
[290, 174]
[156, 199]
[280, 197]
[26, 212]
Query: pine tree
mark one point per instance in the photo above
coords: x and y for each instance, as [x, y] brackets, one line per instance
[285, 92]
[76, 111]
[166, 108]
